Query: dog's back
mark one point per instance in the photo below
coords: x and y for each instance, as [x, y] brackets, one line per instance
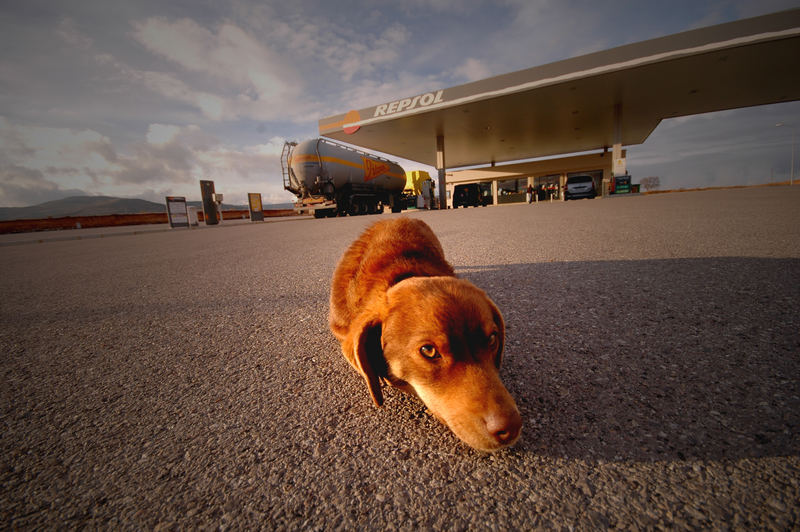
[384, 255]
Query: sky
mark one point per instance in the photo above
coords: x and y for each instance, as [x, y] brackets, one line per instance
[143, 99]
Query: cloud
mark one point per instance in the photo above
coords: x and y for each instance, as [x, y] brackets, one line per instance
[242, 76]
[443, 6]
[472, 70]
[42, 163]
[161, 133]
[40, 148]
[333, 42]
[168, 86]
[353, 59]
[21, 187]
[39, 164]
[28, 162]
[171, 162]
[230, 54]
[183, 161]
[67, 31]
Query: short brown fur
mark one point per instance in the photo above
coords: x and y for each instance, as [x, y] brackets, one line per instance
[395, 300]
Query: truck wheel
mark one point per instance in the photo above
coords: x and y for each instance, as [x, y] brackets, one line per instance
[395, 203]
[343, 205]
[324, 213]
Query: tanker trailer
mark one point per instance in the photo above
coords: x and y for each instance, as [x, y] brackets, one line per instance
[331, 179]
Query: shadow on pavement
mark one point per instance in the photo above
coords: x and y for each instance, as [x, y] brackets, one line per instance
[652, 360]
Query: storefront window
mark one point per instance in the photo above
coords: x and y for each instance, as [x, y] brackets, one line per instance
[547, 186]
[512, 190]
[486, 192]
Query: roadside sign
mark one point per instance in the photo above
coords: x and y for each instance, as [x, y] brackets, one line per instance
[176, 211]
[210, 213]
[256, 209]
[622, 184]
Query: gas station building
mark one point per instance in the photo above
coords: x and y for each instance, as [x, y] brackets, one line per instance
[508, 183]
[576, 115]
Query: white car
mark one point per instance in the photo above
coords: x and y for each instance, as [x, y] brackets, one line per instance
[579, 186]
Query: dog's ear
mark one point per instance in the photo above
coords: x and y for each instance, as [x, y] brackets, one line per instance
[501, 332]
[368, 354]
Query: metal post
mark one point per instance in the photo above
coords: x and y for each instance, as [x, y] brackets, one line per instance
[791, 174]
[440, 165]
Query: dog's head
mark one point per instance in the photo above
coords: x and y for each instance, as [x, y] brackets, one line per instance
[441, 338]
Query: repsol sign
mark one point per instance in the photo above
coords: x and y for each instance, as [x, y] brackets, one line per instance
[406, 104]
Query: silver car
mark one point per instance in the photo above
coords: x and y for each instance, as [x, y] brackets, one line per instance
[579, 186]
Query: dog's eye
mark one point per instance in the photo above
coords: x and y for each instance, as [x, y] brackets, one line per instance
[493, 340]
[429, 351]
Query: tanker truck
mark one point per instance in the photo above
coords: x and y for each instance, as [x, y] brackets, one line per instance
[331, 179]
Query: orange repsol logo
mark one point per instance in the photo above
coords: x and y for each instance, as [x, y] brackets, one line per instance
[423, 100]
[373, 169]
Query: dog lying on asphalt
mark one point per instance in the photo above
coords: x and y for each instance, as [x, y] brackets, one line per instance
[403, 318]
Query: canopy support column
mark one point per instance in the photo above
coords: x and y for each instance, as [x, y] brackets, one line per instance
[618, 166]
[440, 165]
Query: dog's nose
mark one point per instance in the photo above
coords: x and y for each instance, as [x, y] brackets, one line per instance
[504, 428]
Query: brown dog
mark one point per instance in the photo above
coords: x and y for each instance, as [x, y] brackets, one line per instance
[403, 317]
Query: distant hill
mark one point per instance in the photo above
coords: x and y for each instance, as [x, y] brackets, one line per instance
[225, 206]
[98, 206]
[277, 206]
[81, 206]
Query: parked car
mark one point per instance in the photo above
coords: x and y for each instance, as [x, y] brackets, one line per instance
[579, 186]
[470, 194]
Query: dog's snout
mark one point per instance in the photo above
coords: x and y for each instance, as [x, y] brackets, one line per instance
[504, 428]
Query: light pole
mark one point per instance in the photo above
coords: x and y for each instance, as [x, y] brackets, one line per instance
[791, 175]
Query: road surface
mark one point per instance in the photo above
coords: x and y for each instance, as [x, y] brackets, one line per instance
[187, 379]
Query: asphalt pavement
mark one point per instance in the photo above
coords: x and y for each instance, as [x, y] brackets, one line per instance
[187, 379]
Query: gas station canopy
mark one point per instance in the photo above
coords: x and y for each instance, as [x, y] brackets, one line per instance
[614, 97]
